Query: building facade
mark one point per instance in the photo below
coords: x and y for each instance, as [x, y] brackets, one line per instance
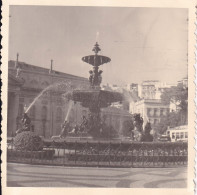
[151, 110]
[151, 89]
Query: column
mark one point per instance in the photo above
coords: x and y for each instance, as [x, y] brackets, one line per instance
[10, 114]
[15, 111]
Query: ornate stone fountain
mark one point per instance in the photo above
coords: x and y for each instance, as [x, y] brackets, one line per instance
[95, 98]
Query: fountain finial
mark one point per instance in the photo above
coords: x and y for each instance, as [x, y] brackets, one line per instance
[96, 48]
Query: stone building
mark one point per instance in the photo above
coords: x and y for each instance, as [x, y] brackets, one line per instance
[26, 82]
[152, 89]
[151, 110]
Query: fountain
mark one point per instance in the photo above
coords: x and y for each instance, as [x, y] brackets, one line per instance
[94, 98]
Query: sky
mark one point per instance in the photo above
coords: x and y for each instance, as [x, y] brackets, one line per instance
[143, 43]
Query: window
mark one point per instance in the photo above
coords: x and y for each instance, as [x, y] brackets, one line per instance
[44, 112]
[59, 114]
[155, 111]
[148, 111]
[71, 116]
[33, 111]
[186, 135]
[173, 135]
[20, 110]
[161, 112]
[155, 121]
[177, 135]
[181, 135]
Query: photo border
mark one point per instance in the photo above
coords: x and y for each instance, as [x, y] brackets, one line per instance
[191, 94]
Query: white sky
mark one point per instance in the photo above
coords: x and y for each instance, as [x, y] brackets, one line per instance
[143, 43]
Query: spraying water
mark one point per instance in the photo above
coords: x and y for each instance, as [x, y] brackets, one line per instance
[69, 109]
[61, 86]
[42, 92]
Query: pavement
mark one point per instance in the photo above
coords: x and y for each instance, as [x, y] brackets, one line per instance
[25, 175]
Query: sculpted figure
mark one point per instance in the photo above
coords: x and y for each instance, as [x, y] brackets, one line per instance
[65, 129]
[136, 134]
[26, 124]
[84, 124]
[138, 122]
[99, 77]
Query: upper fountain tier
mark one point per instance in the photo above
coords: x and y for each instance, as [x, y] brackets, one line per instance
[96, 60]
[94, 98]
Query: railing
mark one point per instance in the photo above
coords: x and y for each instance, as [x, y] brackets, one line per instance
[103, 153]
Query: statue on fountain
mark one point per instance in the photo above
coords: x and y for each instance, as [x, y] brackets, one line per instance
[83, 126]
[95, 77]
[65, 128]
[26, 124]
[138, 134]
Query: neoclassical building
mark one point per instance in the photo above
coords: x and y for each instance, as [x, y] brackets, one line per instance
[25, 83]
[46, 87]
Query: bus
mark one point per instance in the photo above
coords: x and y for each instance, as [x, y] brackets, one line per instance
[178, 134]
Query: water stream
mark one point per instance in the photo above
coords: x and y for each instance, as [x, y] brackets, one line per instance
[70, 105]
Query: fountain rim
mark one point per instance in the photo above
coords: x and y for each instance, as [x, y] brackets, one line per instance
[90, 59]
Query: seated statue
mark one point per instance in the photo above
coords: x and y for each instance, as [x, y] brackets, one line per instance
[26, 124]
[65, 129]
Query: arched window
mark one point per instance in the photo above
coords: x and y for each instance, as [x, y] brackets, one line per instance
[71, 116]
[44, 112]
[20, 110]
[59, 114]
[33, 112]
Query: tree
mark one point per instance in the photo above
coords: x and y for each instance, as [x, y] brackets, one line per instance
[173, 119]
[177, 95]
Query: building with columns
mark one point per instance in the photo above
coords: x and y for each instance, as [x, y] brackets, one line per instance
[26, 82]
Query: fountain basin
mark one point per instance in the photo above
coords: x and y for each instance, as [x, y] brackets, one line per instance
[100, 97]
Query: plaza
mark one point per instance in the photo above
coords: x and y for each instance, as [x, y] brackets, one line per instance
[24, 175]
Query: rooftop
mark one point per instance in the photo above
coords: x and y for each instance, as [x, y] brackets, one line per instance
[29, 67]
